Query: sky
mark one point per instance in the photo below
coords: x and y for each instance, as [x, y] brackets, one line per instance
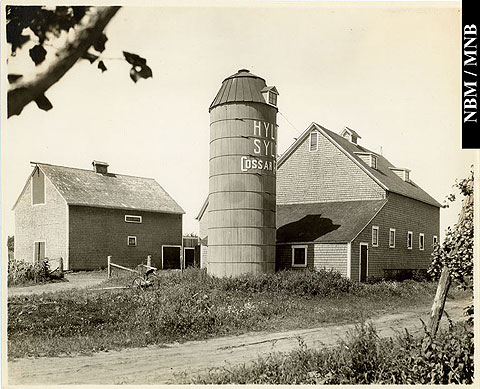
[390, 72]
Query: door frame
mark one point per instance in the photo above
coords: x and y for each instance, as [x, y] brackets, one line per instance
[173, 245]
[184, 256]
[360, 262]
[34, 248]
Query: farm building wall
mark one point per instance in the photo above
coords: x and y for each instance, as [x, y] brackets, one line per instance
[403, 214]
[96, 233]
[40, 222]
[203, 235]
[283, 256]
[323, 175]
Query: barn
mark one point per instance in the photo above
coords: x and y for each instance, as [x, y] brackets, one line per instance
[344, 207]
[83, 216]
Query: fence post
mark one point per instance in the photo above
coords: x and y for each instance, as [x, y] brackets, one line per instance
[109, 268]
[60, 266]
[149, 260]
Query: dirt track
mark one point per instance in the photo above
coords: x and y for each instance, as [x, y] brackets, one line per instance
[156, 365]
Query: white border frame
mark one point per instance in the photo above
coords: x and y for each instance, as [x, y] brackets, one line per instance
[299, 246]
[360, 262]
[410, 233]
[173, 245]
[34, 244]
[377, 228]
[394, 238]
[310, 141]
[128, 241]
[130, 221]
[420, 246]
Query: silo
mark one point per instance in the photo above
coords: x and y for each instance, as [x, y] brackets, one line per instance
[242, 186]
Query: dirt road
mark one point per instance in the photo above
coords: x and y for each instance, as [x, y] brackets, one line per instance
[72, 281]
[176, 362]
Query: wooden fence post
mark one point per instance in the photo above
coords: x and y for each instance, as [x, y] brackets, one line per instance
[60, 266]
[149, 260]
[439, 301]
[109, 268]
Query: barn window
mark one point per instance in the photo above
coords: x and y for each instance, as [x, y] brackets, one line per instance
[132, 241]
[391, 240]
[272, 98]
[133, 219]
[373, 161]
[375, 236]
[421, 241]
[38, 187]
[409, 240]
[299, 256]
[435, 239]
[314, 141]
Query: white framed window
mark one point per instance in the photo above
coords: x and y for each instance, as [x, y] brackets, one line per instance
[131, 241]
[391, 238]
[421, 241]
[409, 240]
[133, 219]
[313, 141]
[375, 236]
[435, 239]
[299, 255]
[272, 98]
[373, 161]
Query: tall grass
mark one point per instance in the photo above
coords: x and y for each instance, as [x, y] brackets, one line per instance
[25, 273]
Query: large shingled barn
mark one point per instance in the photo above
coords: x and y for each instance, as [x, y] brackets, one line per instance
[83, 216]
[341, 206]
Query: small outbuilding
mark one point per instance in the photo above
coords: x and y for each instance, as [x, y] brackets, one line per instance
[83, 216]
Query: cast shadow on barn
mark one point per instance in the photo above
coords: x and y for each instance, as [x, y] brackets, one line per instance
[307, 229]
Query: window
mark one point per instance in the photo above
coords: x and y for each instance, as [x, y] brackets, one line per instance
[409, 240]
[39, 251]
[299, 256]
[421, 241]
[314, 141]
[272, 98]
[375, 236]
[373, 161]
[38, 187]
[391, 240]
[435, 239]
[132, 241]
[133, 219]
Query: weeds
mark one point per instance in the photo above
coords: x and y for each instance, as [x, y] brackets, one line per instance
[24, 273]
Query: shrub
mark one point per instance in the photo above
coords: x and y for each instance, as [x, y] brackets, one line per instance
[20, 272]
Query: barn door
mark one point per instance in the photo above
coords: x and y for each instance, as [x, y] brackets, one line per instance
[363, 261]
[189, 257]
[39, 252]
[171, 257]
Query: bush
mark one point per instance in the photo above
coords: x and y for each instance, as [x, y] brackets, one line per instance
[364, 358]
[21, 273]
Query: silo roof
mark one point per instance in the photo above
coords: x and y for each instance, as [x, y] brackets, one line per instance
[241, 86]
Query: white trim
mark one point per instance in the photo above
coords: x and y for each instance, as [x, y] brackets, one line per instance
[390, 245]
[188, 248]
[372, 159]
[410, 233]
[349, 260]
[299, 246]
[310, 141]
[378, 235]
[373, 217]
[132, 221]
[173, 245]
[421, 247]
[360, 262]
[128, 241]
[34, 244]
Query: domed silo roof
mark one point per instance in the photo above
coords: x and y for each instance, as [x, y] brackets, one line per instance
[241, 86]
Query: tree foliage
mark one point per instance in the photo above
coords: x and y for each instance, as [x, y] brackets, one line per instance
[11, 243]
[44, 25]
[456, 251]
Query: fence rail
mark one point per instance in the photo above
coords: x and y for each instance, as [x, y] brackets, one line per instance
[111, 265]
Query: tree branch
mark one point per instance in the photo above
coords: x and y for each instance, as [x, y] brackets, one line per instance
[22, 93]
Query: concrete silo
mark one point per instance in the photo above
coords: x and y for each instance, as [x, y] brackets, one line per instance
[242, 187]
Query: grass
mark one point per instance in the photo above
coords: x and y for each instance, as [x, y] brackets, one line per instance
[193, 305]
[363, 358]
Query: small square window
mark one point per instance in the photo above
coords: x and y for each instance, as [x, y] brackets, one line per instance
[314, 141]
[410, 240]
[132, 241]
[421, 241]
[299, 256]
[391, 240]
[133, 219]
[375, 236]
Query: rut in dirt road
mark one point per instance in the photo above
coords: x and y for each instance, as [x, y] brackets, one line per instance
[175, 363]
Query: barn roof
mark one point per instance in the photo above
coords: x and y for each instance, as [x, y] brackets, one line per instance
[109, 190]
[241, 86]
[383, 174]
[331, 222]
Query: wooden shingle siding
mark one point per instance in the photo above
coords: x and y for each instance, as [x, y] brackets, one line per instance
[42, 222]
[323, 175]
[331, 257]
[403, 214]
[283, 257]
[96, 233]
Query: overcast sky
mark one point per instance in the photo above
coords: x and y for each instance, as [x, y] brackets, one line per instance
[391, 73]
